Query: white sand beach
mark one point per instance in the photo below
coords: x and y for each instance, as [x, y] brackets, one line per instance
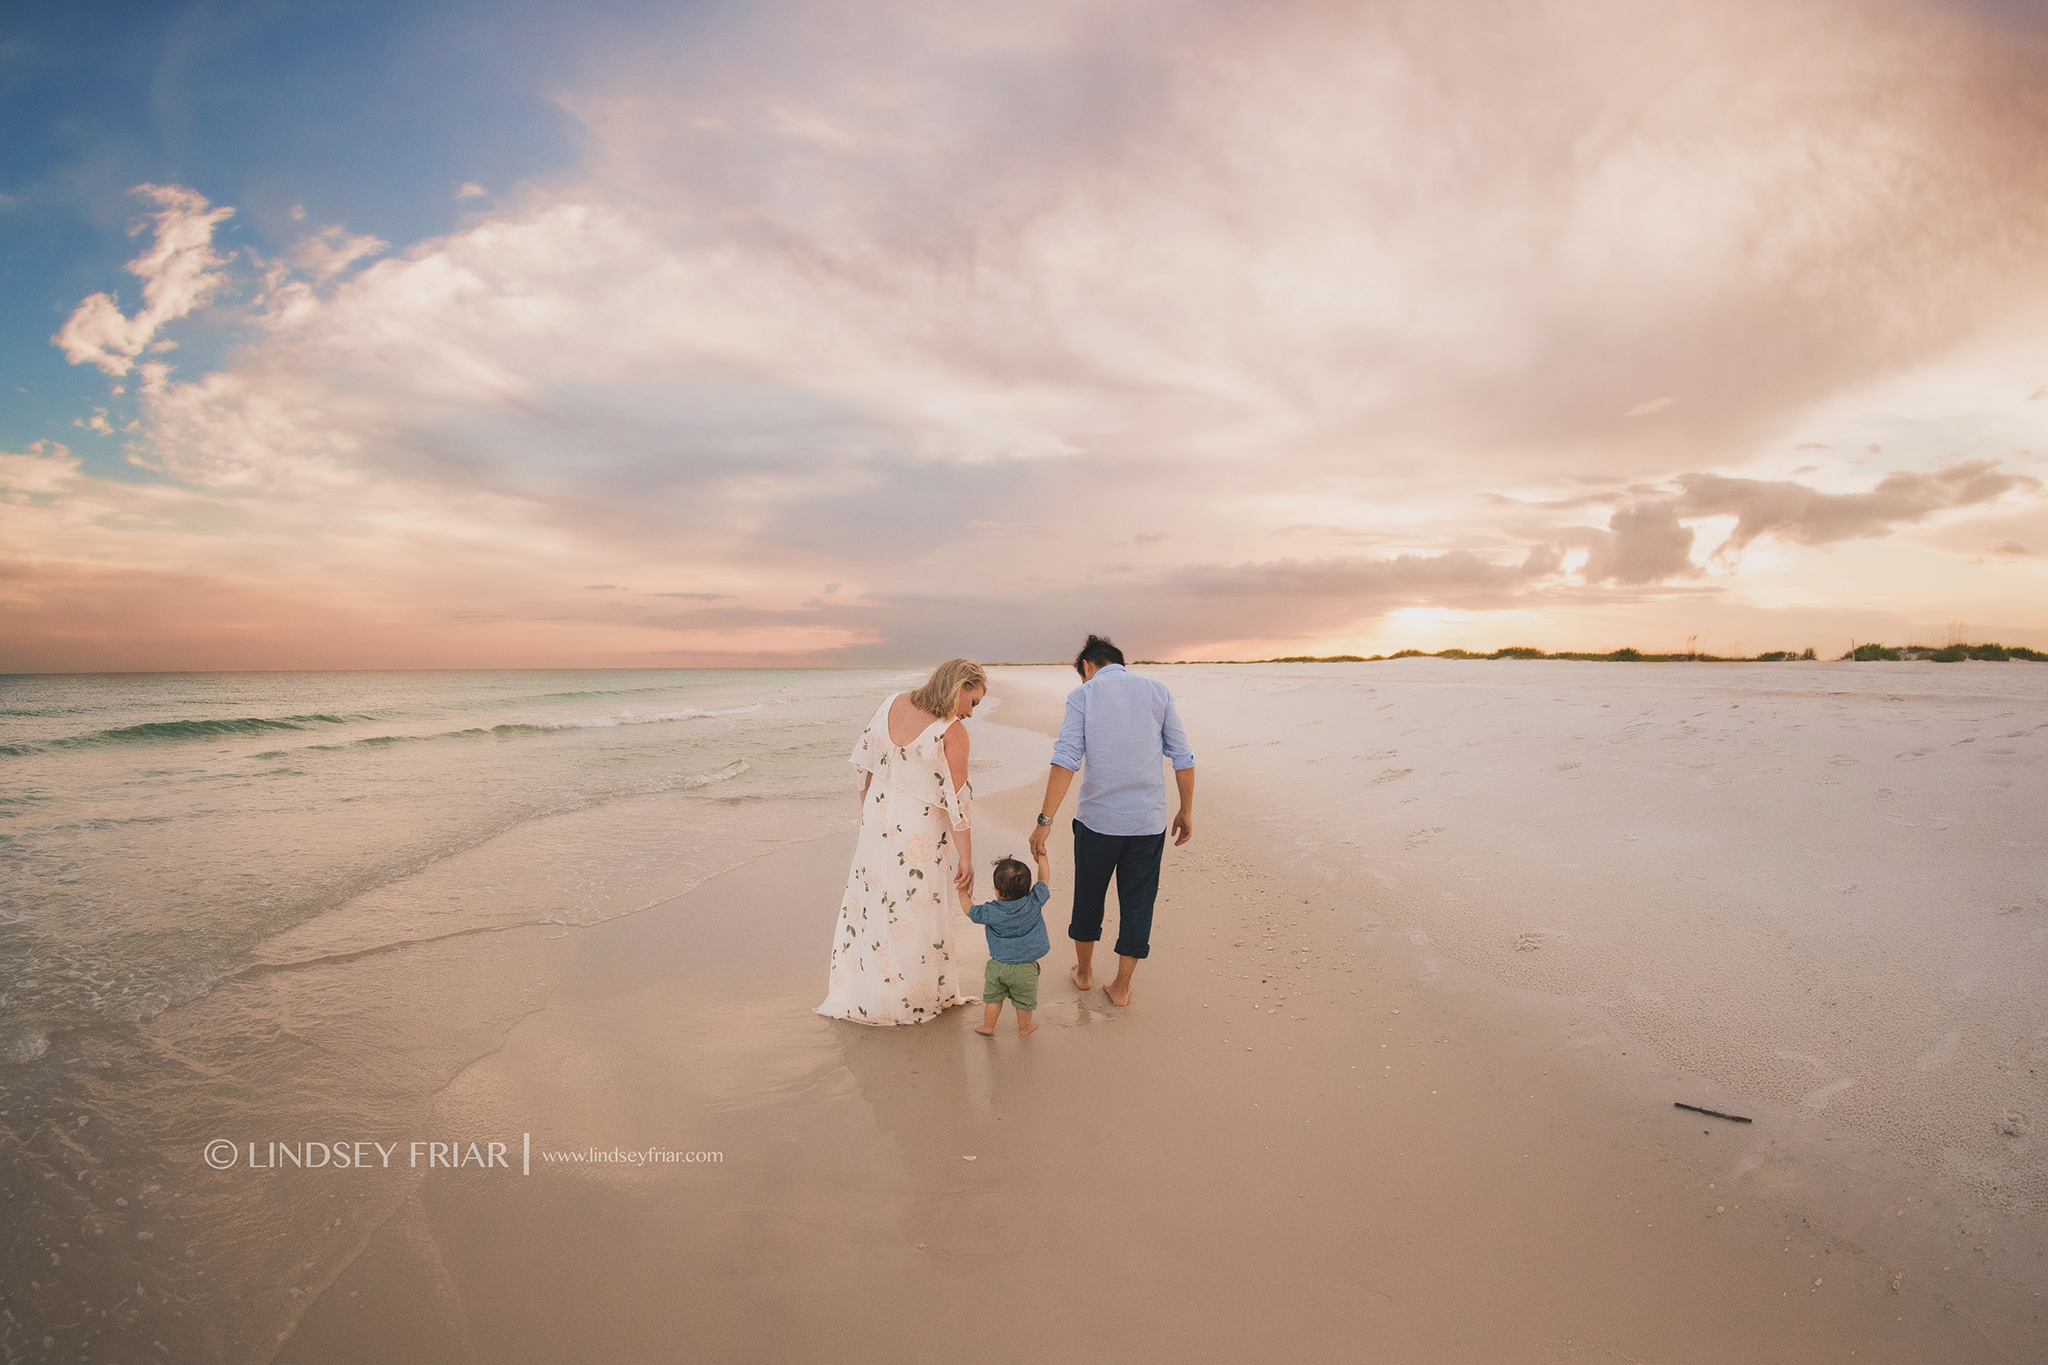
[1398, 1082]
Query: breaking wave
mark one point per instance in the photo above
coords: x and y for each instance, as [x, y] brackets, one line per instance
[548, 727]
[162, 731]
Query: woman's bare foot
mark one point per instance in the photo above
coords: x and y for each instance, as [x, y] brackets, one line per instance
[1082, 979]
[1119, 992]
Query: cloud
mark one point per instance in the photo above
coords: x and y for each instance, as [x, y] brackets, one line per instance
[45, 467]
[179, 272]
[334, 249]
[2010, 547]
[471, 190]
[1645, 544]
[1806, 516]
[1654, 405]
[1646, 541]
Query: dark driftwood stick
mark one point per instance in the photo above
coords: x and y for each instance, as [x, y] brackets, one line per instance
[1710, 1113]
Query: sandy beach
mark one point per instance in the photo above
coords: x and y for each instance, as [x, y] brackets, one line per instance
[1397, 1084]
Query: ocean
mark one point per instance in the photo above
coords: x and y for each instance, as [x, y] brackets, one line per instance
[230, 896]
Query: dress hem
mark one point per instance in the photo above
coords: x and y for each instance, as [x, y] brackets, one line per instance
[824, 1013]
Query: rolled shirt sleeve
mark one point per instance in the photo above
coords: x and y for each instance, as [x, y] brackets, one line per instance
[1072, 744]
[1174, 740]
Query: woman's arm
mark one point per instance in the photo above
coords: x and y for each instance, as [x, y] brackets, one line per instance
[955, 742]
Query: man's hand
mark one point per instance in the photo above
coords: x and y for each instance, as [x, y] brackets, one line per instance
[1183, 828]
[1057, 780]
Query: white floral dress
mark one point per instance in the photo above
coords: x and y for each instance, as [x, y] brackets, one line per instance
[893, 949]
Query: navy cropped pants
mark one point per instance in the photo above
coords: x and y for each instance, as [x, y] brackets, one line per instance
[1134, 859]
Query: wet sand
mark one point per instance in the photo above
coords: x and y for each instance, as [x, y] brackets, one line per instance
[1309, 1136]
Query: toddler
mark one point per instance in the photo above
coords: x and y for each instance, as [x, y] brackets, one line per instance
[1015, 922]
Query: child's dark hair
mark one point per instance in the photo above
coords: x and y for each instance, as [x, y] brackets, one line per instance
[1098, 651]
[1013, 879]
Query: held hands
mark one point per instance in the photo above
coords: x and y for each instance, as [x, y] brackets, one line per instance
[1183, 828]
[964, 878]
[1038, 838]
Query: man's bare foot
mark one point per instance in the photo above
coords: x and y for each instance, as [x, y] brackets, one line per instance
[1082, 980]
[1026, 1030]
[1119, 994]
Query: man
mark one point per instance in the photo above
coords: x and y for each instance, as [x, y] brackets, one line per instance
[1121, 725]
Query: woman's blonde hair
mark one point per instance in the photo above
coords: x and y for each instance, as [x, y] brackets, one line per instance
[940, 696]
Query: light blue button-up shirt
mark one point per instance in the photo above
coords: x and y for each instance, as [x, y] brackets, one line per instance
[1122, 725]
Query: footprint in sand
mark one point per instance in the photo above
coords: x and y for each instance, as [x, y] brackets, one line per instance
[1390, 775]
[1529, 940]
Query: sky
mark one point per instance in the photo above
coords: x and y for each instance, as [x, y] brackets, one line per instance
[549, 335]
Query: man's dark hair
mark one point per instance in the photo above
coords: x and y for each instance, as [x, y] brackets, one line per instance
[1098, 651]
[1013, 879]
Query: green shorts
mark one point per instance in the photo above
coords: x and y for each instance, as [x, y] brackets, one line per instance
[1015, 981]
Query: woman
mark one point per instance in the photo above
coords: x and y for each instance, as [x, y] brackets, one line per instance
[892, 950]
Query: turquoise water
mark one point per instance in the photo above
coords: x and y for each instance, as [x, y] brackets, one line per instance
[155, 829]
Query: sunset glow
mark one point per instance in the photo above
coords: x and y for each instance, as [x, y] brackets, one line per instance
[814, 334]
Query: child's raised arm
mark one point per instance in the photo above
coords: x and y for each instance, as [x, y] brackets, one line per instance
[1044, 866]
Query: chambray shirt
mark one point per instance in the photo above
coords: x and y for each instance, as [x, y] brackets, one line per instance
[1122, 724]
[1016, 929]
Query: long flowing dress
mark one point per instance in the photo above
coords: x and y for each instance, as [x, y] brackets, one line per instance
[893, 948]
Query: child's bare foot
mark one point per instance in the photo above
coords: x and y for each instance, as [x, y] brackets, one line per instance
[989, 1031]
[1119, 992]
[1025, 1030]
[1082, 978]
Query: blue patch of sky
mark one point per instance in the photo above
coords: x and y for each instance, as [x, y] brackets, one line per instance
[368, 115]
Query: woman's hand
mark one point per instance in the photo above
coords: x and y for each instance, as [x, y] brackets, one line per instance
[964, 876]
